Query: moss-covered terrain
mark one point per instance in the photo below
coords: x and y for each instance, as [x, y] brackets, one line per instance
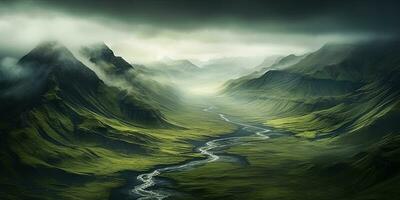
[75, 140]
[70, 131]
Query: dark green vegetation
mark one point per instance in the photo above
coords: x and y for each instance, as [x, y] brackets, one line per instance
[291, 168]
[80, 126]
[339, 88]
[342, 103]
[65, 134]
[280, 63]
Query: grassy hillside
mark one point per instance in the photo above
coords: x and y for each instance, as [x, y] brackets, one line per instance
[342, 103]
[138, 81]
[73, 136]
[279, 64]
[79, 129]
[293, 168]
[303, 101]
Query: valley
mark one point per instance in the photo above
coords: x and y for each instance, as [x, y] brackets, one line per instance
[90, 125]
[206, 150]
[199, 100]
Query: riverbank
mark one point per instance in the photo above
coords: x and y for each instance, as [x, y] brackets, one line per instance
[148, 189]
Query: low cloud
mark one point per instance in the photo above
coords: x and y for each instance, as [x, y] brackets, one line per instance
[22, 26]
[18, 82]
[10, 70]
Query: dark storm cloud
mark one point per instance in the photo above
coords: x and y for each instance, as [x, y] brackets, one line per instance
[312, 16]
[147, 30]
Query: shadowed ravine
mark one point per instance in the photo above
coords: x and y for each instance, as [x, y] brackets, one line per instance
[208, 149]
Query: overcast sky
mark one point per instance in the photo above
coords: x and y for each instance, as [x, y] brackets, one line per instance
[151, 29]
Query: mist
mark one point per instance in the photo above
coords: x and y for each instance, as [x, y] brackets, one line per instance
[24, 24]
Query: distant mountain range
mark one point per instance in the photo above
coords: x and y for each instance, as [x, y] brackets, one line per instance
[347, 94]
[266, 65]
[137, 80]
[174, 67]
[359, 81]
[232, 67]
[80, 121]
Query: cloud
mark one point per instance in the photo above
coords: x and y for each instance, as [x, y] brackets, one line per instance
[9, 69]
[306, 16]
[16, 81]
[142, 31]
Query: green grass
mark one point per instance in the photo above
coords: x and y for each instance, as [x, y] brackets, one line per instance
[78, 142]
[295, 168]
[277, 169]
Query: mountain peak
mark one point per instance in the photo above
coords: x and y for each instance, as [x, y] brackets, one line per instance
[48, 52]
[100, 48]
[335, 47]
[101, 55]
[182, 64]
[51, 60]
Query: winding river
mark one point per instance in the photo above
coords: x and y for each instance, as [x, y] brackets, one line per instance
[209, 149]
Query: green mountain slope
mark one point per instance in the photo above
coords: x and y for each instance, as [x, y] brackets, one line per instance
[336, 88]
[279, 64]
[104, 57]
[138, 81]
[70, 136]
[298, 85]
[363, 62]
[342, 104]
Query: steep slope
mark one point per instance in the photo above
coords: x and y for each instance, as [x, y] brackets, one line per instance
[117, 72]
[338, 88]
[363, 62]
[68, 134]
[344, 98]
[280, 63]
[268, 61]
[329, 54]
[104, 57]
[67, 78]
[294, 73]
[297, 85]
[349, 114]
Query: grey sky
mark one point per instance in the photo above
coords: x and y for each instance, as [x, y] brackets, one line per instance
[152, 29]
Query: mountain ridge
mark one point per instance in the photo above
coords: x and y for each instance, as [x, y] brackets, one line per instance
[303, 95]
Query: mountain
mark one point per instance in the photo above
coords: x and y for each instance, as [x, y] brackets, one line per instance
[138, 80]
[338, 87]
[363, 62]
[62, 76]
[231, 67]
[286, 61]
[184, 65]
[172, 67]
[234, 62]
[345, 98]
[104, 57]
[51, 66]
[280, 63]
[270, 60]
[62, 126]
[329, 54]
[305, 86]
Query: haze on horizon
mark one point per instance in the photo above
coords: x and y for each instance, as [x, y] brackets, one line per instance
[199, 99]
[144, 31]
